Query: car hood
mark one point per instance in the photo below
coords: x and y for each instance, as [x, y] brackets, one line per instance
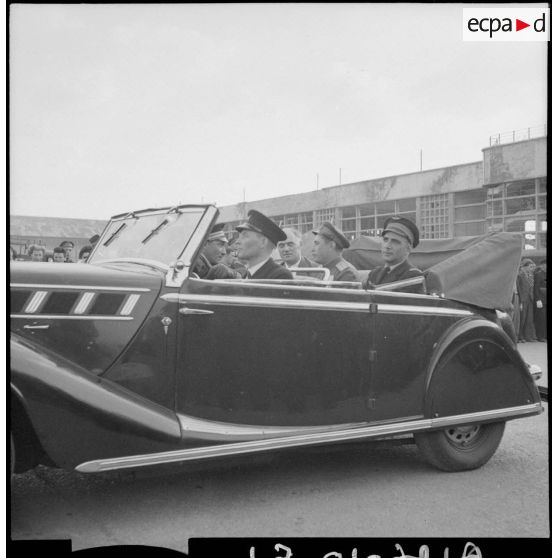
[86, 313]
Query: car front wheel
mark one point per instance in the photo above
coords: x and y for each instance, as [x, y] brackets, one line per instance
[460, 448]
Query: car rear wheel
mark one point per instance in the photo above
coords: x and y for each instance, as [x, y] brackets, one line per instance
[460, 448]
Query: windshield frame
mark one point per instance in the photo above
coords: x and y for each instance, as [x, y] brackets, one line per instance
[207, 213]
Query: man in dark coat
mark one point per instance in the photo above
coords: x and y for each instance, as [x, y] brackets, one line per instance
[525, 287]
[399, 237]
[329, 243]
[539, 290]
[257, 239]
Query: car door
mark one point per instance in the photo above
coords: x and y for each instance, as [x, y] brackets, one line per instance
[407, 329]
[273, 355]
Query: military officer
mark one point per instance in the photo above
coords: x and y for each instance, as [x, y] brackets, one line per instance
[257, 239]
[68, 247]
[208, 265]
[329, 243]
[399, 237]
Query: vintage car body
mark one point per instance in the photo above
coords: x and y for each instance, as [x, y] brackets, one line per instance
[131, 360]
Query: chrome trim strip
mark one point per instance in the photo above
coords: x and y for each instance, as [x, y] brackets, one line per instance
[81, 287]
[225, 300]
[400, 284]
[404, 309]
[84, 302]
[35, 302]
[268, 302]
[129, 304]
[327, 287]
[494, 414]
[221, 431]
[355, 433]
[69, 317]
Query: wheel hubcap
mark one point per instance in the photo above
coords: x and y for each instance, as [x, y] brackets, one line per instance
[462, 435]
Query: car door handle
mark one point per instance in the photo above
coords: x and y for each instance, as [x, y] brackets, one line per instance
[190, 311]
[45, 326]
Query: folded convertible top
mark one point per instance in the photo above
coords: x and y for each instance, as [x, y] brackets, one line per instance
[479, 270]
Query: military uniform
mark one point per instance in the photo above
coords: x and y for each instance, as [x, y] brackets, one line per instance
[204, 269]
[342, 270]
[384, 274]
[257, 222]
[404, 270]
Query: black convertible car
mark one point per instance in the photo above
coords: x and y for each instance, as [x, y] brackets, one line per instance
[131, 360]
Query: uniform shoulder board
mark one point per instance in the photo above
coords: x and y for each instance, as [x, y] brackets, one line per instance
[342, 265]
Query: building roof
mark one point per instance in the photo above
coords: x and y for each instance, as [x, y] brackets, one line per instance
[21, 225]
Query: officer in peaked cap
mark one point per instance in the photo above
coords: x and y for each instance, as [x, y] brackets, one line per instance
[329, 243]
[208, 265]
[258, 238]
[68, 246]
[399, 237]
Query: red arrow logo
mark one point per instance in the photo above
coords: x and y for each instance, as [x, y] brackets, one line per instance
[519, 25]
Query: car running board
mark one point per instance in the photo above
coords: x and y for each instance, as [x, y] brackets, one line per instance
[346, 434]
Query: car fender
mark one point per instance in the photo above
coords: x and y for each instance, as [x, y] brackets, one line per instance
[77, 416]
[475, 368]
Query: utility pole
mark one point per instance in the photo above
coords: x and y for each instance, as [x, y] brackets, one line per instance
[317, 181]
[421, 160]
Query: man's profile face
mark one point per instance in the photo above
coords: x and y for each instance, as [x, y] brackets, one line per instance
[251, 245]
[323, 250]
[37, 256]
[289, 249]
[215, 250]
[395, 248]
[58, 257]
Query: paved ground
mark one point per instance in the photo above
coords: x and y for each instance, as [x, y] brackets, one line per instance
[363, 489]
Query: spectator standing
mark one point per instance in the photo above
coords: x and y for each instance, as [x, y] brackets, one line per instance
[539, 292]
[525, 288]
[59, 255]
[36, 253]
[84, 254]
[68, 247]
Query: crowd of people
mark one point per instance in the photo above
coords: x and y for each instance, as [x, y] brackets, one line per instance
[530, 304]
[63, 253]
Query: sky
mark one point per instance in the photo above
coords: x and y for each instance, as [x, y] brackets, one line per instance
[122, 107]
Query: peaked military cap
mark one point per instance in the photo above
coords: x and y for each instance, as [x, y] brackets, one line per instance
[330, 232]
[403, 227]
[217, 233]
[258, 222]
[67, 244]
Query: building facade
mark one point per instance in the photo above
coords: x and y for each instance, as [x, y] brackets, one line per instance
[505, 191]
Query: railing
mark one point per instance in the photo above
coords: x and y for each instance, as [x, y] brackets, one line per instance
[518, 135]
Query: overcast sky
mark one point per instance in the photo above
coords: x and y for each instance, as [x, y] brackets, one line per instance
[121, 107]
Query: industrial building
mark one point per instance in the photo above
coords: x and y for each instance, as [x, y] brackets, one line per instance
[505, 191]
